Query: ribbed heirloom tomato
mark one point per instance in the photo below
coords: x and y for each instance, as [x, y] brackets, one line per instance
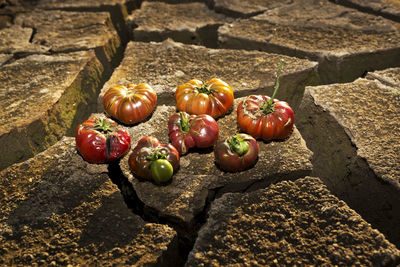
[186, 131]
[265, 117]
[130, 104]
[214, 97]
[152, 160]
[236, 153]
[100, 141]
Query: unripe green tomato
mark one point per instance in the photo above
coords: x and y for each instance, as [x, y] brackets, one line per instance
[161, 170]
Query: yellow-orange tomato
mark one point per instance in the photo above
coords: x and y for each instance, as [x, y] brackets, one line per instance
[214, 97]
[130, 104]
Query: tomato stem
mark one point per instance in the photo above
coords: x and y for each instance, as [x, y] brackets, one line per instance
[268, 106]
[104, 126]
[205, 90]
[238, 145]
[157, 154]
[184, 123]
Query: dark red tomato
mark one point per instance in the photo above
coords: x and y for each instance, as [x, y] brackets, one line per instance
[236, 153]
[266, 117]
[186, 131]
[100, 140]
[214, 97]
[130, 104]
[147, 151]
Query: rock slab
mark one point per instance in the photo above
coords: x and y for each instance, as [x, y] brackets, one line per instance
[191, 23]
[61, 31]
[166, 65]
[56, 209]
[345, 42]
[291, 222]
[42, 98]
[352, 129]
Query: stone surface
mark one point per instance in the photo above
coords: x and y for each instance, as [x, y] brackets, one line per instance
[191, 23]
[385, 8]
[118, 10]
[346, 42]
[168, 64]
[289, 223]
[185, 197]
[56, 209]
[62, 31]
[243, 8]
[69, 4]
[372, 127]
[43, 98]
[4, 58]
[390, 77]
[353, 130]
[16, 40]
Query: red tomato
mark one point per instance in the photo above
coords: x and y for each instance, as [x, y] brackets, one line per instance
[236, 153]
[266, 117]
[214, 97]
[186, 131]
[100, 141]
[149, 150]
[130, 104]
[256, 119]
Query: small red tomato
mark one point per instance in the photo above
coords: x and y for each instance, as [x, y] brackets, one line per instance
[130, 104]
[265, 117]
[147, 151]
[236, 153]
[100, 141]
[214, 97]
[186, 131]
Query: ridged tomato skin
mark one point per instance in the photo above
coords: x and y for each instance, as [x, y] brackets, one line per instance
[138, 160]
[95, 146]
[276, 125]
[230, 160]
[202, 131]
[214, 97]
[130, 104]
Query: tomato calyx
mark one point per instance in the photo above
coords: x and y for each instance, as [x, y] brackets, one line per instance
[238, 145]
[157, 154]
[268, 106]
[204, 89]
[104, 126]
[183, 123]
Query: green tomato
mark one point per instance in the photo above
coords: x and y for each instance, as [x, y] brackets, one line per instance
[161, 170]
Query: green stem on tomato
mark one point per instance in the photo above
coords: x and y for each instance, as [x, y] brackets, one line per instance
[104, 126]
[268, 106]
[157, 154]
[204, 89]
[238, 145]
[184, 123]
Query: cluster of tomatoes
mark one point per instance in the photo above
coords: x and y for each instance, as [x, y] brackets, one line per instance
[199, 104]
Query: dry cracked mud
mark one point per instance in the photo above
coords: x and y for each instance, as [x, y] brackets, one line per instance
[341, 76]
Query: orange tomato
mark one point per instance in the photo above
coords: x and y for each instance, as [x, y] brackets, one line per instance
[214, 97]
[130, 104]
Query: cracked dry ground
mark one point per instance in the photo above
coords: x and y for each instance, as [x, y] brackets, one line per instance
[328, 195]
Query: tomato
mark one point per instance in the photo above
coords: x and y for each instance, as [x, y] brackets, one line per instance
[100, 141]
[161, 170]
[236, 153]
[186, 131]
[214, 97]
[147, 151]
[130, 104]
[266, 117]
